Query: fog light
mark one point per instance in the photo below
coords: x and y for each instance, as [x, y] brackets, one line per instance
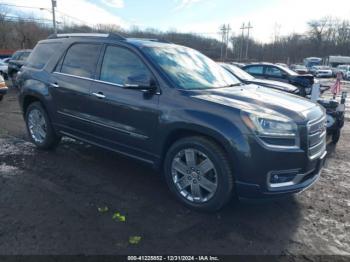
[280, 177]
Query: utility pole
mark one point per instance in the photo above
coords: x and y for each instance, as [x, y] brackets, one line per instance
[246, 51]
[223, 39]
[54, 5]
[228, 29]
[242, 42]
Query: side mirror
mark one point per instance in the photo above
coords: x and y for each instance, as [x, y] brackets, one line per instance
[141, 82]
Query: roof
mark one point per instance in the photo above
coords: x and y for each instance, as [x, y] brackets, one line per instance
[113, 37]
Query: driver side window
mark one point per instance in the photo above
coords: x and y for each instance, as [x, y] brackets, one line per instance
[119, 64]
[273, 71]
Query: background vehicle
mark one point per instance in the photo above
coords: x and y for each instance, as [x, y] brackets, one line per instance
[335, 110]
[3, 88]
[335, 61]
[309, 62]
[300, 69]
[279, 73]
[322, 71]
[246, 78]
[3, 69]
[6, 60]
[344, 70]
[16, 62]
[174, 108]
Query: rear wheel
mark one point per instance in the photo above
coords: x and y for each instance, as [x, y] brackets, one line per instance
[1, 97]
[198, 172]
[39, 127]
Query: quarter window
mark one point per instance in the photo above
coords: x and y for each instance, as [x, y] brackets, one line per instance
[81, 60]
[41, 55]
[119, 64]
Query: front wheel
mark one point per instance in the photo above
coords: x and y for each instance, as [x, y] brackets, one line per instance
[39, 127]
[199, 174]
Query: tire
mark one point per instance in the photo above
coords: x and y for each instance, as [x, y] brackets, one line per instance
[48, 141]
[221, 175]
[1, 97]
[336, 136]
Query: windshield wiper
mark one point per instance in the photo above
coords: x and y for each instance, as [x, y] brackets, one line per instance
[232, 85]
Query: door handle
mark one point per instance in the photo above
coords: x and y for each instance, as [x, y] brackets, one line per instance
[99, 95]
[54, 85]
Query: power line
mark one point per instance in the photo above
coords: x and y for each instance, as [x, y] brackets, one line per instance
[47, 9]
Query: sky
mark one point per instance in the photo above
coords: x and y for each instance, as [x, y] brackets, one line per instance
[203, 17]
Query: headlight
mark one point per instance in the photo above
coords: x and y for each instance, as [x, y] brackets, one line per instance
[272, 128]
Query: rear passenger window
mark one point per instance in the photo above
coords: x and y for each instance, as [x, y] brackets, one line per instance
[258, 70]
[119, 64]
[42, 54]
[81, 60]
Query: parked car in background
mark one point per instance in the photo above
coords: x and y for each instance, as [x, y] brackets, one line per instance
[323, 71]
[6, 60]
[3, 88]
[335, 111]
[344, 70]
[282, 74]
[246, 78]
[3, 69]
[300, 69]
[16, 62]
[176, 109]
[309, 62]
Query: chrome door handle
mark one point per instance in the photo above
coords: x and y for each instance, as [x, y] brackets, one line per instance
[99, 95]
[54, 85]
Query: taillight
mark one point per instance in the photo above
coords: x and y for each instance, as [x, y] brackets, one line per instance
[2, 84]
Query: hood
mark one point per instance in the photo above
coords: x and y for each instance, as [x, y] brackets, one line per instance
[275, 84]
[252, 97]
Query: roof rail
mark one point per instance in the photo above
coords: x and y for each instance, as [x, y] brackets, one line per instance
[109, 35]
[150, 39]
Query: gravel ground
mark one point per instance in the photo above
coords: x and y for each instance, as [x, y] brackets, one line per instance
[49, 205]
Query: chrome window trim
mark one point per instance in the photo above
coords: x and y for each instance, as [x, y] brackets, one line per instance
[88, 78]
[79, 77]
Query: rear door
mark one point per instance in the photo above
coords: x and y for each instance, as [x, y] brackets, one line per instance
[126, 119]
[70, 87]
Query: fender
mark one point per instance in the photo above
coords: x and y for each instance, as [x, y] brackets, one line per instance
[229, 136]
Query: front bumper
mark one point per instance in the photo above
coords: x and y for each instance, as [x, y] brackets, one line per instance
[301, 182]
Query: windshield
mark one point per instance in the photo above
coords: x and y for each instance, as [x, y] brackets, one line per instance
[189, 69]
[241, 74]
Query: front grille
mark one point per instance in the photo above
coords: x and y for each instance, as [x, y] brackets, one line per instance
[317, 137]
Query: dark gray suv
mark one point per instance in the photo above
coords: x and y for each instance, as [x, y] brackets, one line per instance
[176, 109]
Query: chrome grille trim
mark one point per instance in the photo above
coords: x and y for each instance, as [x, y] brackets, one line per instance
[316, 141]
